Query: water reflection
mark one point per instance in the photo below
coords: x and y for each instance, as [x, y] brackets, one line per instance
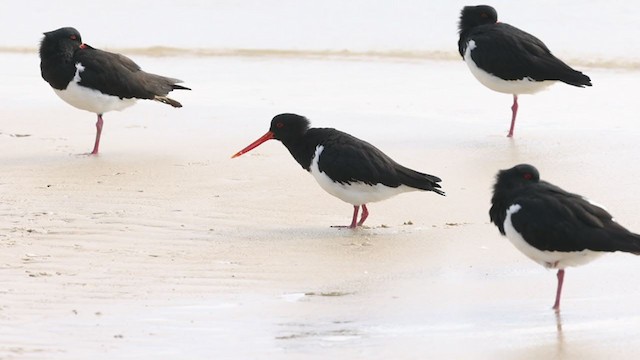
[559, 333]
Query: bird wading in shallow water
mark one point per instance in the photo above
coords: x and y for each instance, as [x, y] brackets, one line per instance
[95, 80]
[553, 227]
[346, 167]
[508, 60]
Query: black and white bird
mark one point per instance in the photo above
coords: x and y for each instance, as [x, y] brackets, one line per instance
[553, 227]
[346, 167]
[96, 80]
[508, 60]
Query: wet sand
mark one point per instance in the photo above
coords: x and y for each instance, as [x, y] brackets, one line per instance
[163, 247]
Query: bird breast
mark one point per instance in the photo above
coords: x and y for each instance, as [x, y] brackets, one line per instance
[548, 259]
[89, 99]
[523, 86]
[356, 192]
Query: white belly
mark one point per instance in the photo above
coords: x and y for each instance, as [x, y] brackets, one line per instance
[522, 86]
[354, 193]
[548, 259]
[91, 100]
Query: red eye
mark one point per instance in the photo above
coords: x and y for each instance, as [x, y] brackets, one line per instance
[279, 125]
[527, 176]
[73, 37]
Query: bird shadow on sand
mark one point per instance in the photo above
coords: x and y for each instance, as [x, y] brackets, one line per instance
[318, 232]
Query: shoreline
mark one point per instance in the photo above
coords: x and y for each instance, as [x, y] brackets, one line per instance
[164, 247]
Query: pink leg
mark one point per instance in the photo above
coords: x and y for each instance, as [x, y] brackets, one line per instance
[365, 214]
[514, 112]
[556, 306]
[355, 216]
[353, 221]
[98, 133]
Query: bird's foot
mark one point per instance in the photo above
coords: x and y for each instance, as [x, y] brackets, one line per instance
[343, 227]
[88, 154]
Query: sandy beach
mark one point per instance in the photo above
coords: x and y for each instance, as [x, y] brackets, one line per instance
[162, 247]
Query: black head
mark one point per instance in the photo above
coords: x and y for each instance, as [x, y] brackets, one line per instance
[62, 41]
[286, 127]
[472, 16]
[518, 176]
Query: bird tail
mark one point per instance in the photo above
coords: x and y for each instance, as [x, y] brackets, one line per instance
[617, 239]
[159, 86]
[558, 70]
[577, 78]
[179, 87]
[168, 101]
[630, 244]
[420, 180]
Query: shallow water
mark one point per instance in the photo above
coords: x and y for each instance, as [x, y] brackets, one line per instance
[600, 31]
[164, 248]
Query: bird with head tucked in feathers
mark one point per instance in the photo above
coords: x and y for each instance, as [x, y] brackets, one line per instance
[98, 81]
[508, 60]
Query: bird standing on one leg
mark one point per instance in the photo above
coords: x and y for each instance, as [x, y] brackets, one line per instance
[346, 167]
[553, 227]
[508, 60]
[96, 80]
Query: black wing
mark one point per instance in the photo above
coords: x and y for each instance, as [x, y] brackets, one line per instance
[555, 220]
[348, 159]
[498, 213]
[512, 54]
[117, 75]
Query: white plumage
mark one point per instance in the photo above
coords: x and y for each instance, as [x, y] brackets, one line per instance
[548, 259]
[89, 99]
[355, 193]
[517, 87]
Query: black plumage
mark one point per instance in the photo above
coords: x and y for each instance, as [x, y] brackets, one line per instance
[66, 60]
[345, 159]
[510, 53]
[110, 73]
[561, 226]
[117, 75]
[553, 219]
[519, 61]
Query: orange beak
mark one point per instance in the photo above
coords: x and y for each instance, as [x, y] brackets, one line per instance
[255, 144]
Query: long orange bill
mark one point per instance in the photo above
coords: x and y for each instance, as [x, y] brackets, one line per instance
[255, 144]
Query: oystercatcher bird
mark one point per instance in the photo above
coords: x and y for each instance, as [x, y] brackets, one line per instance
[96, 80]
[346, 167]
[508, 60]
[553, 227]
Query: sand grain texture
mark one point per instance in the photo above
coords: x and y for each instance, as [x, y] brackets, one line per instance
[163, 247]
